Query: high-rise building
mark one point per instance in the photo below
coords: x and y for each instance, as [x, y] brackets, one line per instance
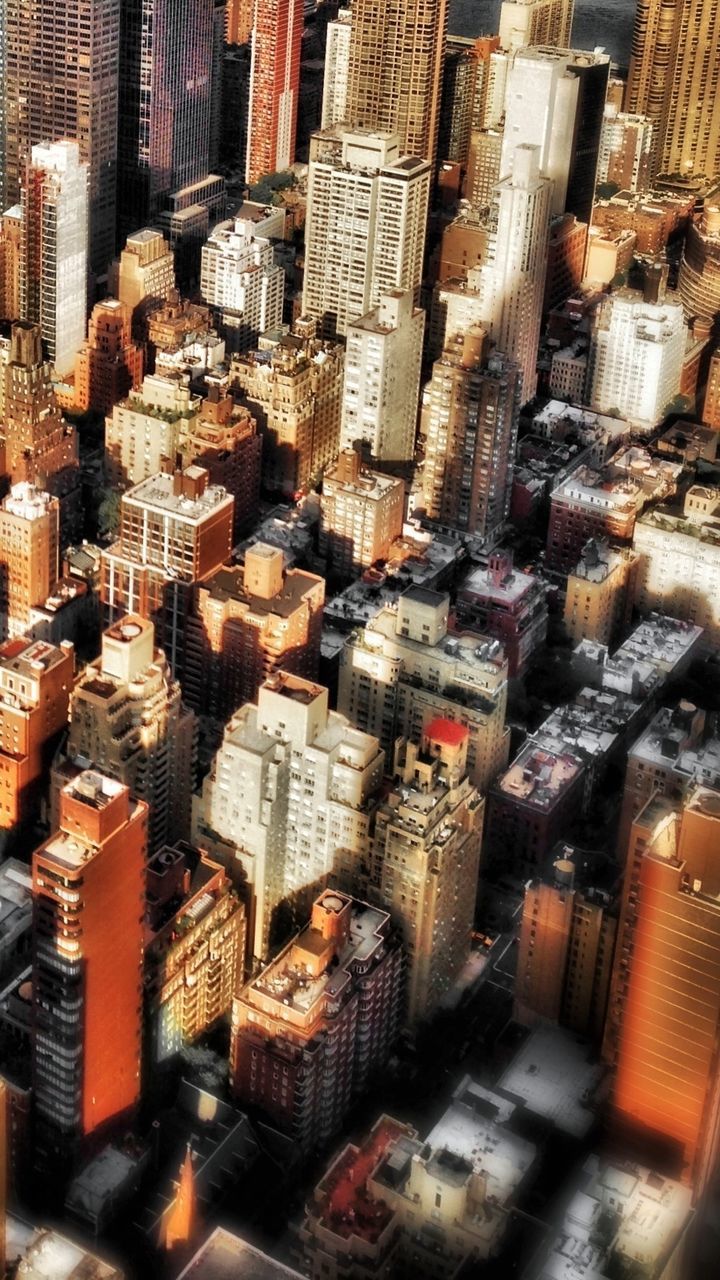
[274, 87]
[512, 280]
[224, 440]
[383, 355]
[89, 890]
[291, 791]
[565, 950]
[61, 81]
[366, 224]
[404, 670]
[396, 66]
[35, 683]
[29, 555]
[636, 356]
[567, 248]
[309, 1031]
[469, 426]
[167, 72]
[337, 68]
[699, 277]
[54, 247]
[175, 530]
[147, 426]
[673, 79]
[424, 861]
[535, 22]
[711, 404]
[242, 283]
[555, 100]
[626, 150]
[127, 720]
[361, 513]
[109, 364]
[238, 21]
[194, 948]
[41, 448]
[11, 228]
[464, 89]
[663, 1027]
[601, 593]
[248, 623]
[143, 277]
[294, 390]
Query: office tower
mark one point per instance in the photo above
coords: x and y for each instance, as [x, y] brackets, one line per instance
[61, 81]
[337, 68]
[673, 79]
[565, 949]
[361, 513]
[404, 669]
[294, 391]
[194, 949]
[144, 276]
[469, 423]
[167, 72]
[147, 427]
[424, 861]
[636, 356]
[11, 227]
[127, 720]
[311, 1029]
[396, 67]
[513, 280]
[53, 281]
[89, 890]
[41, 448]
[555, 100]
[663, 1028]
[699, 278]
[242, 283]
[679, 559]
[462, 91]
[239, 21]
[601, 593]
[711, 404]
[626, 150]
[175, 529]
[366, 222]
[249, 622]
[483, 166]
[35, 683]
[535, 22]
[383, 355]
[109, 364]
[509, 605]
[274, 87]
[291, 791]
[29, 555]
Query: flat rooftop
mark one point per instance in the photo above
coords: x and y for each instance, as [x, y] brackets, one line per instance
[342, 1203]
[225, 1256]
[473, 1130]
[557, 1077]
[538, 776]
[157, 492]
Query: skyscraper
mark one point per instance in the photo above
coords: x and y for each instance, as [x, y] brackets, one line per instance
[167, 69]
[397, 52]
[534, 22]
[674, 79]
[337, 66]
[382, 378]
[274, 86]
[61, 81]
[241, 281]
[366, 224]
[88, 888]
[54, 249]
[109, 364]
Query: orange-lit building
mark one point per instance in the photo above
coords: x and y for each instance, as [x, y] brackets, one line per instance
[89, 890]
[238, 21]
[109, 365]
[711, 407]
[274, 86]
[309, 1031]
[249, 622]
[29, 555]
[663, 1027]
[565, 259]
[35, 683]
[226, 442]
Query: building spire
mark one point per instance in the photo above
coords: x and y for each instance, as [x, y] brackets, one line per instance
[179, 1221]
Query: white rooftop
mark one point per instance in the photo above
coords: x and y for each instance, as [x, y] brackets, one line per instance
[557, 1078]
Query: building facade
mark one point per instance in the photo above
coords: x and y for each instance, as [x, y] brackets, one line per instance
[383, 354]
[361, 513]
[274, 87]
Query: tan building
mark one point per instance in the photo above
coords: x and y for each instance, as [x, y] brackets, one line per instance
[679, 560]
[424, 861]
[29, 555]
[535, 22]
[626, 150]
[194, 948]
[109, 364]
[468, 424]
[292, 790]
[711, 406]
[295, 394]
[361, 513]
[35, 683]
[144, 275]
[383, 355]
[663, 1029]
[127, 719]
[395, 72]
[601, 593]
[146, 428]
[309, 1031]
[565, 952]
[464, 246]
[609, 254]
[404, 670]
[699, 278]
[249, 622]
[225, 441]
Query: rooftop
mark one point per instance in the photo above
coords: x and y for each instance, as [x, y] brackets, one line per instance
[225, 1256]
[158, 492]
[557, 1077]
[474, 1129]
[539, 777]
[229, 584]
[342, 1202]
